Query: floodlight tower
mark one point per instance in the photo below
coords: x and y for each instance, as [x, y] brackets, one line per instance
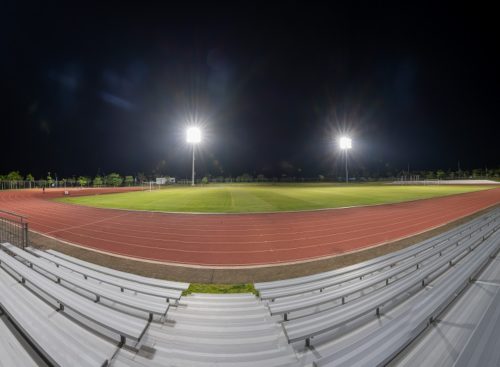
[345, 145]
[193, 137]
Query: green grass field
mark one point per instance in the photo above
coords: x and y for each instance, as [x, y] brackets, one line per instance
[238, 198]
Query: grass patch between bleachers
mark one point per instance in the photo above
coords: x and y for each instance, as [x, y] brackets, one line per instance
[220, 288]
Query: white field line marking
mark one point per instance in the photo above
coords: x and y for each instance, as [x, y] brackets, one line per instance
[87, 224]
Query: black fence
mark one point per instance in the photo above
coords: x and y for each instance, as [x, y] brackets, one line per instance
[62, 184]
[15, 185]
[13, 229]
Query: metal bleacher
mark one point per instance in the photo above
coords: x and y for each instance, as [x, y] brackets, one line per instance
[151, 306]
[56, 310]
[407, 270]
[61, 341]
[160, 283]
[73, 314]
[126, 326]
[131, 284]
[318, 282]
[422, 279]
[378, 348]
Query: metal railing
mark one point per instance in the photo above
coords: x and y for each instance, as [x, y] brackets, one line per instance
[13, 229]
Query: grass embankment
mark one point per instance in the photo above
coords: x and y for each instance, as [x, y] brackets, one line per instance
[241, 198]
[220, 288]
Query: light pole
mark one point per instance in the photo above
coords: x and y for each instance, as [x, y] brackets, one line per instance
[345, 145]
[193, 137]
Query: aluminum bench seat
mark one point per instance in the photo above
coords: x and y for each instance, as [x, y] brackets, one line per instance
[305, 328]
[124, 359]
[285, 306]
[157, 307]
[381, 346]
[61, 341]
[122, 284]
[121, 274]
[127, 326]
[222, 309]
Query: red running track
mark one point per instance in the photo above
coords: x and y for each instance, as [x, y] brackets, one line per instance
[237, 239]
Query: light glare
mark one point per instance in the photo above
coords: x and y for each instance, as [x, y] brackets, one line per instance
[345, 142]
[193, 135]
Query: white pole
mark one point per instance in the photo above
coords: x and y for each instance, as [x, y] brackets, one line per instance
[192, 174]
[346, 172]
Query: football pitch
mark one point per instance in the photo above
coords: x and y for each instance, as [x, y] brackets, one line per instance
[252, 198]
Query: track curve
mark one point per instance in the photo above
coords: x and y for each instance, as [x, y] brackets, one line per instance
[236, 240]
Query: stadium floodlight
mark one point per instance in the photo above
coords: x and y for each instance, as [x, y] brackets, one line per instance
[193, 136]
[345, 144]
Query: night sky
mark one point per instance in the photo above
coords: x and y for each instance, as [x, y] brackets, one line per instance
[88, 88]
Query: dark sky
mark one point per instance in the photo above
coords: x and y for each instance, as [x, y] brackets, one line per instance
[89, 88]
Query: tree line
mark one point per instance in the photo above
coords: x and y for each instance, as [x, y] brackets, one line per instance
[114, 179]
[363, 175]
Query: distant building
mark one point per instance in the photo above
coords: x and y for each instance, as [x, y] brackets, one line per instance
[165, 180]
